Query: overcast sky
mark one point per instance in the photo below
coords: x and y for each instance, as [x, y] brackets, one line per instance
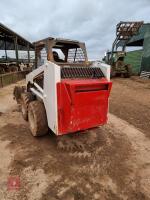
[91, 21]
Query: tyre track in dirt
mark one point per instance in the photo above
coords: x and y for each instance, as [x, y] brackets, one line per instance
[104, 167]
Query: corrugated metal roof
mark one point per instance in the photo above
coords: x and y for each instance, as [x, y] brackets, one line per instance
[9, 35]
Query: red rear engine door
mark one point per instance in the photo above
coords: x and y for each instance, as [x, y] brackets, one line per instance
[82, 104]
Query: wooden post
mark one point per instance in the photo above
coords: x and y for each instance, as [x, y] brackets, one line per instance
[16, 49]
[1, 81]
[28, 53]
[5, 49]
[36, 57]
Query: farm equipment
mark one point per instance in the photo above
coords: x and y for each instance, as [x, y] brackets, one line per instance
[67, 94]
[118, 66]
[124, 31]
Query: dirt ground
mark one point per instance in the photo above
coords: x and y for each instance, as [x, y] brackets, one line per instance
[108, 163]
[130, 100]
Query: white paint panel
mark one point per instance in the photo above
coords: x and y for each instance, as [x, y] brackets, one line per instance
[51, 78]
[104, 67]
[35, 72]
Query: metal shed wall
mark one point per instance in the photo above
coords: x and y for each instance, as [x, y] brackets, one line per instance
[145, 64]
[142, 39]
[134, 58]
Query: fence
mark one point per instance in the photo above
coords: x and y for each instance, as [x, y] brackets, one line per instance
[13, 77]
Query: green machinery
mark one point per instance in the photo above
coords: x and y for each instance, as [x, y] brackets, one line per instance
[115, 58]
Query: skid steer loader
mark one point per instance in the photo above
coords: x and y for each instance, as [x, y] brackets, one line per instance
[65, 92]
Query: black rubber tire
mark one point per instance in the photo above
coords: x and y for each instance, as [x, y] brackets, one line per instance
[128, 74]
[112, 73]
[17, 93]
[129, 69]
[26, 98]
[37, 118]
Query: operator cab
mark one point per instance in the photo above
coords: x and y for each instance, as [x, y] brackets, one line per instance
[60, 51]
